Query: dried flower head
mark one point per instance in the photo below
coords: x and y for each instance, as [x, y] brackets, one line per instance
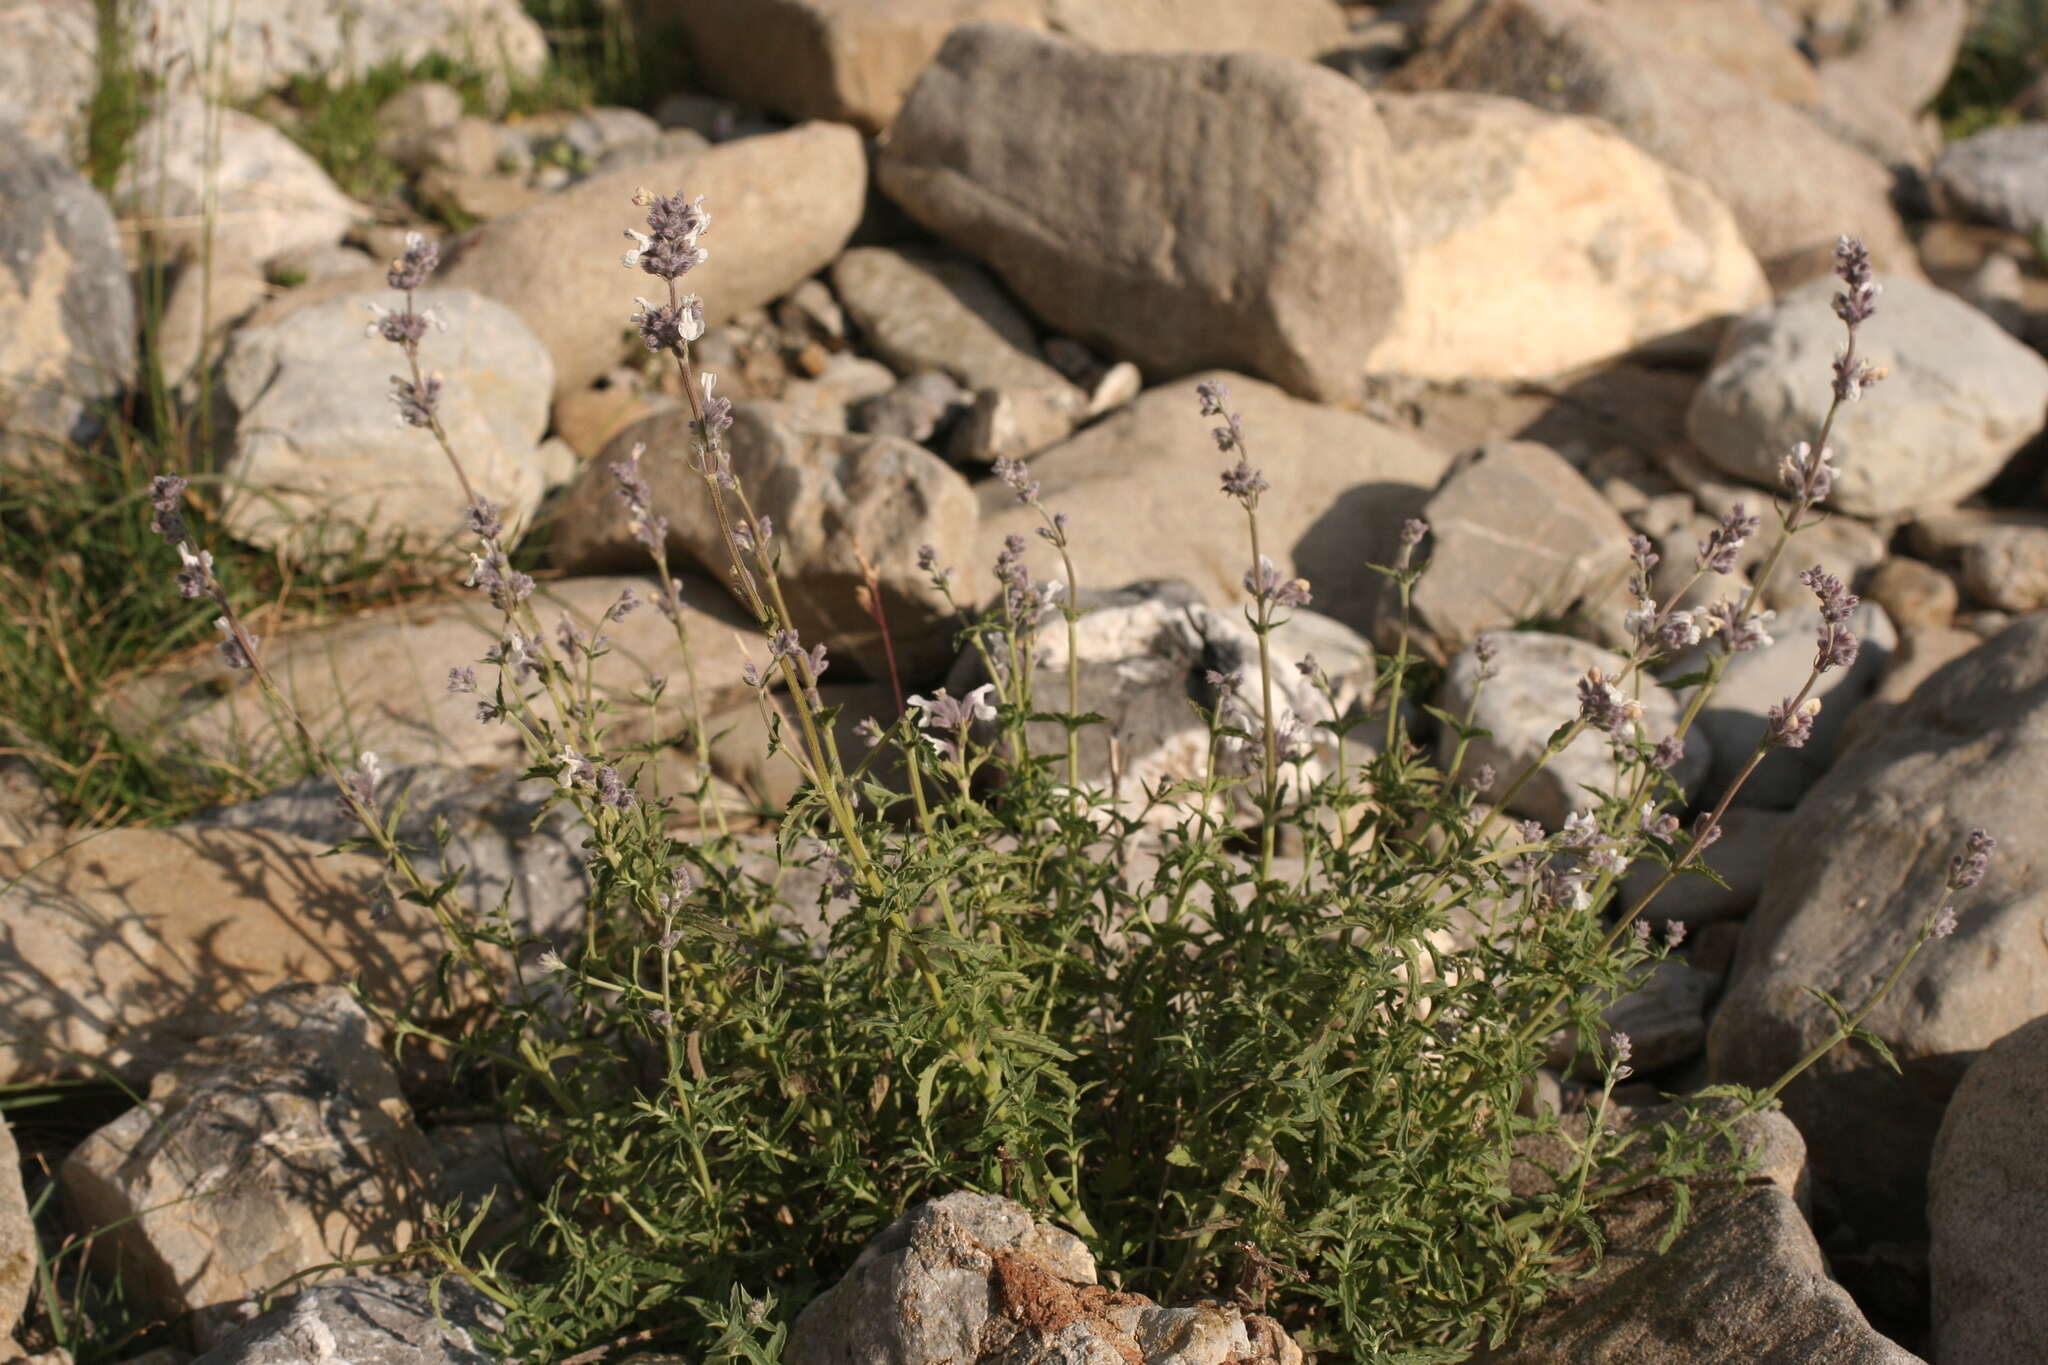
[1967, 868]
[1789, 726]
[1723, 545]
[1244, 483]
[166, 495]
[1808, 476]
[1858, 300]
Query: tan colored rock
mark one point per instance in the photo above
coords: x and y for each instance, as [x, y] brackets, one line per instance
[20, 1253]
[781, 205]
[1735, 36]
[925, 312]
[201, 313]
[379, 681]
[129, 944]
[1515, 534]
[1987, 1207]
[831, 498]
[588, 419]
[1001, 149]
[1513, 218]
[272, 1148]
[1790, 185]
[1288, 28]
[49, 67]
[1140, 487]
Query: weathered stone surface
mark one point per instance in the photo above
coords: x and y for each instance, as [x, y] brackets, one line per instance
[371, 1320]
[268, 1149]
[1734, 35]
[1289, 28]
[67, 317]
[1790, 186]
[1512, 217]
[1535, 692]
[974, 1277]
[1516, 534]
[1001, 149]
[921, 312]
[832, 498]
[49, 54]
[200, 313]
[1859, 870]
[1999, 175]
[1987, 1206]
[1664, 1016]
[920, 408]
[1913, 594]
[123, 948]
[781, 206]
[269, 196]
[19, 1254]
[1736, 716]
[1959, 397]
[28, 809]
[320, 465]
[1740, 857]
[379, 681]
[2001, 556]
[1746, 1281]
[1341, 486]
[259, 45]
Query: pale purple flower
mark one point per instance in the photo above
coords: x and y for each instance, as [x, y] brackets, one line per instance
[1623, 1050]
[484, 521]
[235, 645]
[1738, 633]
[612, 789]
[1789, 726]
[1723, 545]
[1807, 476]
[1967, 868]
[1655, 823]
[415, 265]
[1852, 263]
[1017, 475]
[1486, 653]
[1674, 933]
[195, 578]
[1604, 706]
[358, 799]
[1705, 830]
[1669, 752]
[462, 679]
[1944, 922]
[870, 731]
[573, 768]
[1266, 583]
[167, 519]
[669, 326]
[717, 415]
[668, 248]
[1244, 483]
[417, 402]
[493, 574]
[944, 719]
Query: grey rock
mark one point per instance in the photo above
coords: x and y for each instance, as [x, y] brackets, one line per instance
[268, 195]
[1013, 424]
[1664, 1015]
[1238, 289]
[269, 1149]
[49, 68]
[1959, 398]
[832, 396]
[1987, 1207]
[1746, 1281]
[1537, 691]
[20, 1252]
[1858, 872]
[832, 498]
[920, 408]
[1516, 534]
[923, 312]
[1999, 175]
[377, 1319]
[1736, 716]
[318, 459]
[1144, 505]
[67, 316]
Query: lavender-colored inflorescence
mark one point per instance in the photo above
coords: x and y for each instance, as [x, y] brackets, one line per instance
[195, 573]
[669, 326]
[1267, 583]
[1807, 475]
[1852, 262]
[1723, 545]
[669, 248]
[358, 798]
[1244, 483]
[1837, 644]
[1487, 655]
[415, 265]
[1604, 706]
[1669, 751]
[1705, 830]
[645, 525]
[1229, 436]
[1655, 823]
[1788, 726]
[1736, 632]
[1023, 600]
[943, 718]
[1623, 1050]
[1967, 868]
[717, 417]
[612, 789]
[417, 401]
[1017, 475]
[493, 573]
[166, 495]
[462, 679]
[233, 648]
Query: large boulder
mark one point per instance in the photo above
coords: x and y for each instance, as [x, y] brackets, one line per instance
[1516, 534]
[1959, 397]
[1790, 185]
[379, 681]
[1512, 218]
[258, 45]
[275, 1147]
[49, 68]
[1270, 194]
[1341, 486]
[922, 312]
[832, 498]
[1987, 1207]
[1858, 871]
[67, 316]
[377, 1319]
[781, 205]
[204, 175]
[2000, 175]
[1287, 28]
[320, 466]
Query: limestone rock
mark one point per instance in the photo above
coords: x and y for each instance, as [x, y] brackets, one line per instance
[1987, 1206]
[1288, 28]
[973, 1277]
[1859, 870]
[921, 312]
[270, 196]
[1999, 175]
[1045, 195]
[67, 317]
[1959, 397]
[49, 68]
[379, 681]
[1513, 217]
[1536, 691]
[831, 498]
[268, 1149]
[781, 207]
[319, 462]
[376, 1319]
[1516, 534]
[19, 1252]
[1790, 185]
[1341, 486]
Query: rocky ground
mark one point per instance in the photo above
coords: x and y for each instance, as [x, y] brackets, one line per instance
[1545, 273]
